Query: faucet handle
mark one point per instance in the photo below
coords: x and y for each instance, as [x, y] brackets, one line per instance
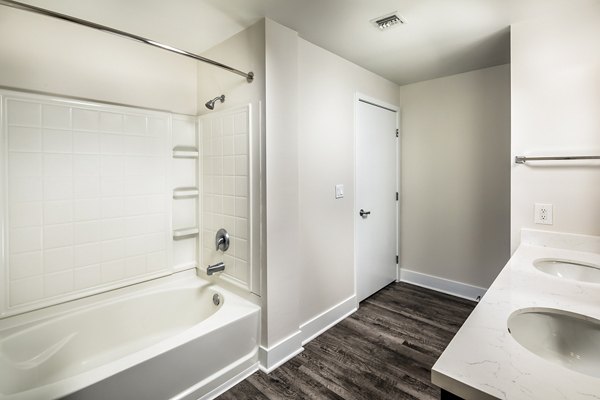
[222, 240]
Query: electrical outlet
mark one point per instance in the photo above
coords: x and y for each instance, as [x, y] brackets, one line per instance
[543, 214]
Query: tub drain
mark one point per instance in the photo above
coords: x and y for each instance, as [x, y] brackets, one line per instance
[216, 299]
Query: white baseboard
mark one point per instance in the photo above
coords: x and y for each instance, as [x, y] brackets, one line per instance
[272, 357]
[447, 286]
[322, 322]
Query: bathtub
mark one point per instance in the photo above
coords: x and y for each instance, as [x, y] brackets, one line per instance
[165, 339]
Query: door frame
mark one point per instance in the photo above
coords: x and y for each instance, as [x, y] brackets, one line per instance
[360, 97]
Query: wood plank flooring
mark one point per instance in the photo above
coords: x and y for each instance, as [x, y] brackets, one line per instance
[383, 351]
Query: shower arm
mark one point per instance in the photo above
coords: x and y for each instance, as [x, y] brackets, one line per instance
[42, 11]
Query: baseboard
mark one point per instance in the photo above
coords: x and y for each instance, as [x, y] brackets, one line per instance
[322, 322]
[272, 357]
[447, 286]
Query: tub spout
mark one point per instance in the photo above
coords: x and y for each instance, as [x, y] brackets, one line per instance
[211, 269]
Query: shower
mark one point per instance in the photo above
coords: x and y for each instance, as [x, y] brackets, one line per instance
[211, 103]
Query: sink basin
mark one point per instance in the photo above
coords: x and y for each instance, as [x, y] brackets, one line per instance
[561, 337]
[567, 269]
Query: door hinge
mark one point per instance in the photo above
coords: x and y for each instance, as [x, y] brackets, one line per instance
[396, 260]
[397, 132]
[397, 195]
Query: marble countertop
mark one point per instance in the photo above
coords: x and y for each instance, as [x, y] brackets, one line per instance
[484, 361]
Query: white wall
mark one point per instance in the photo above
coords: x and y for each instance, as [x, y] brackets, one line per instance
[555, 111]
[42, 54]
[327, 88]
[456, 176]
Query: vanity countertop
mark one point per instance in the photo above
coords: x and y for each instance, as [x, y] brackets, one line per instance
[483, 360]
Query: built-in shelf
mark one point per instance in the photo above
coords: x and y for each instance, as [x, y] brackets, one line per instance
[185, 233]
[186, 192]
[185, 152]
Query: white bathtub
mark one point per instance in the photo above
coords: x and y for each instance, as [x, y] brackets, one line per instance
[158, 340]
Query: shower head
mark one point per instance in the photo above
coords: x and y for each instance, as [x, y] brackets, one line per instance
[211, 103]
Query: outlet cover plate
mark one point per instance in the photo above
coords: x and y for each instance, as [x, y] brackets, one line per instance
[543, 214]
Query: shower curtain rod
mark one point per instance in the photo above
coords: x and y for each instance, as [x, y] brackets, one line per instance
[21, 6]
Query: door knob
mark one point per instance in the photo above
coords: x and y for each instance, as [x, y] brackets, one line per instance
[364, 213]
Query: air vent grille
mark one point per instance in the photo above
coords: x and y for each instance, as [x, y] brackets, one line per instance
[388, 20]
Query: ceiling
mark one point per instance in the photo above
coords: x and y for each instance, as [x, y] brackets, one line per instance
[441, 37]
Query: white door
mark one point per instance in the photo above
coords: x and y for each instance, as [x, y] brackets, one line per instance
[376, 187]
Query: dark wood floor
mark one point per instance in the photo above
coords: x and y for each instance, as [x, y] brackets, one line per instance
[383, 351]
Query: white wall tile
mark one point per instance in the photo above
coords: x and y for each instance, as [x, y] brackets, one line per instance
[88, 120]
[86, 232]
[24, 164]
[228, 125]
[112, 229]
[85, 187]
[58, 259]
[241, 145]
[56, 116]
[229, 166]
[113, 250]
[26, 290]
[86, 165]
[25, 265]
[59, 283]
[58, 212]
[241, 165]
[240, 123]
[58, 188]
[135, 265]
[135, 124]
[111, 122]
[228, 146]
[58, 236]
[156, 261]
[25, 240]
[87, 254]
[58, 165]
[241, 186]
[229, 205]
[113, 207]
[24, 113]
[86, 210]
[24, 139]
[113, 270]
[87, 277]
[26, 214]
[229, 185]
[86, 143]
[241, 228]
[74, 175]
[241, 249]
[241, 207]
[135, 246]
[57, 141]
[241, 270]
[25, 189]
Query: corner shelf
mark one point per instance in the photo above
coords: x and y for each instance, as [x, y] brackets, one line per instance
[186, 233]
[185, 152]
[186, 192]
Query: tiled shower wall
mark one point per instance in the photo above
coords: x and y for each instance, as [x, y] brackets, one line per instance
[86, 198]
[225, 202]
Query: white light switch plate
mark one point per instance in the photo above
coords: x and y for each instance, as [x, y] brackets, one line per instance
[339, 191]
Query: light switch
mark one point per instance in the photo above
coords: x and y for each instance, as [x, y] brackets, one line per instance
[339, 191]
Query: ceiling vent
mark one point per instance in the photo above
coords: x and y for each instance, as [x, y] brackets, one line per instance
[388, 20]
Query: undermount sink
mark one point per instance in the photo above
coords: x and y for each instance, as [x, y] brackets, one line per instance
[561, 337]
[567, 269]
